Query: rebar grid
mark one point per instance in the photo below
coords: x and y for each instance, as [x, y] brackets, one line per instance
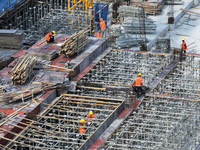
[182, 81]
[120, 68]
[42, 18]
[58, 126]
[159, 123]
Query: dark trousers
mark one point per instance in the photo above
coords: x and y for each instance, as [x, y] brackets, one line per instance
[183, 52]
[138, 90]
[51, 40]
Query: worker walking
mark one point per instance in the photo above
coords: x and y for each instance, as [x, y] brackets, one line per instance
[102, 26]
[137, 86]
[183, 48]
[82, 128]
[90, 117]
[49, 37]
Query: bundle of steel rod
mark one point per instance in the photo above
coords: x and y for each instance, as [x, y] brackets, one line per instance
[74, 43]
[152, 7]
[159, 123]
[57, 127]
[23, 69]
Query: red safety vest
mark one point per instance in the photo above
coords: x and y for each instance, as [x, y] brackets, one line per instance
[138, 81]
[103, 25]
[49, 36]
[184, 46]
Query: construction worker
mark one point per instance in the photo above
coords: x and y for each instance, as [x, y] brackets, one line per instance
[82, 129]
[137, 86]
[90, 117]
[49, 37]
[184, 46]
[97, 34]
[183, 49]
[102, 26]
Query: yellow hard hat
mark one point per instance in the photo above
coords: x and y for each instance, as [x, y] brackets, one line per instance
[82, 121]
[139, 74]
[53, 32]
[91, 113]
[183, 38]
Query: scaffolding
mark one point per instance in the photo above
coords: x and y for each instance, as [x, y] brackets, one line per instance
[159, 123]
[57, 127]
[182, 81]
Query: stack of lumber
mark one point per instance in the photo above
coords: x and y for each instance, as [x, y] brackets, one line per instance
[22, 69]
[151, 6]
[74, 43]
[11, 38]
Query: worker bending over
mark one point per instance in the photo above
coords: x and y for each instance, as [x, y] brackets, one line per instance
[49, 37]
[82, 128]
[90, 117]
[137, 86]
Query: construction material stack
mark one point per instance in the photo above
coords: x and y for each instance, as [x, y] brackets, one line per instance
[23, 69]
[11, 38]
[74, 43]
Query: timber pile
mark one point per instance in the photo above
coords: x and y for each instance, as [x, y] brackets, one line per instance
[22, 69]
[11, 97]
[152, 6]
[11, 38]
[74, 43]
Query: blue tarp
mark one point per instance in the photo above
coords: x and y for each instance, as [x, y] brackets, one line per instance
[100, 12]
[8, 4]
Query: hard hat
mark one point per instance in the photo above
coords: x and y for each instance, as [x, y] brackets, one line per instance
[139, 74]
[53, 32]
[82, 121]
[91, 113]
[101, 19]
[183, 38]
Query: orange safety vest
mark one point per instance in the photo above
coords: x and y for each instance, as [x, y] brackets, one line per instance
[98, 34]
[138, 81]
[184, 46]
[103, 25]
[49, 36]
[82, 129]
[90, 117]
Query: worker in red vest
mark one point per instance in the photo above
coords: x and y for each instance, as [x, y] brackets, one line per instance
[90, 117]
[49, 37]
[137, 86]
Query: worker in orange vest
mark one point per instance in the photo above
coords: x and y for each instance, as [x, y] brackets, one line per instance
[184, 46]
[49, 37]
[137, 86]
[102, 24]
[183, 49]
[82, 128]
[90, 117]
